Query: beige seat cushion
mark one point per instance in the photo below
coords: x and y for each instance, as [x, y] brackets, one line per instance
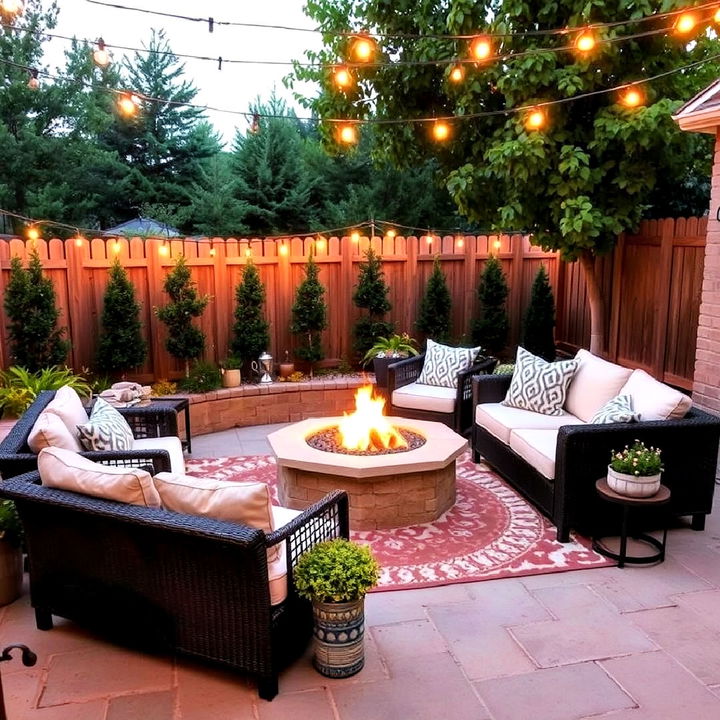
[537, 448]
[425, 397]
[170, 443]
[65, 469]
[653, 400]
[277, 569]
[50, 431]
[68, 406]
[595, 383]
[500, 420]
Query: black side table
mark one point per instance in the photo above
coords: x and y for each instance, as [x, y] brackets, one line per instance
[662, 497]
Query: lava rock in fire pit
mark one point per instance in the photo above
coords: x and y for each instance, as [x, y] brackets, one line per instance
[328, 440]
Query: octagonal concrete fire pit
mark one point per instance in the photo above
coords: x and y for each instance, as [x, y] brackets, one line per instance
[385, 490]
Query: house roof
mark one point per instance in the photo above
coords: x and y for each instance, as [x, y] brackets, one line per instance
[141, 226]
[701, 113]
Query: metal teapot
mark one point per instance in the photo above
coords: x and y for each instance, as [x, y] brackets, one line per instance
[263, 366]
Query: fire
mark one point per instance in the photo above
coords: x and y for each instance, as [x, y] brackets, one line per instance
[367, 428]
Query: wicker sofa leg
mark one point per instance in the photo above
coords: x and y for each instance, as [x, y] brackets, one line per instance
[698, 521]
[267, 686]
[43, 619]
[563, 532]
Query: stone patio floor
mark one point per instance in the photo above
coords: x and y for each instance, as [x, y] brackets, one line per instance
[641, 643]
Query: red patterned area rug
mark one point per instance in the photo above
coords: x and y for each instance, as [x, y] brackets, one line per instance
[491, 532]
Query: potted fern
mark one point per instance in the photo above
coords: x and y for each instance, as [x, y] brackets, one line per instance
[335, 575]
[387, 350]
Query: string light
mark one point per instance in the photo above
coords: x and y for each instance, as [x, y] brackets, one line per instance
[362, 48]
[283, 249]
[79, 239]
[585, 41]
[342, 77]
[716, 16]
[255, 124]
[116, 247]
[320, 243]
[632, 97]
[460, 241]
[248, 252]
[12, 7]
[686, 23]
[164, 250]
[33, 83]
[441, 131]
[101, 57]
[457, 73]
[347, 134]
[497, 244]
[535, 119]
[355, 236]
[481, 48]
[33, 233]
[128, 103]
[391, 233]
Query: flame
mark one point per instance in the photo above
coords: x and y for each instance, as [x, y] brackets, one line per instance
[367, 428]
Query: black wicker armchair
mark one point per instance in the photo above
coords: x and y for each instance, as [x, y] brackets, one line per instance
[689, 450]
[163, 581]
[17, 458]
[407, 371]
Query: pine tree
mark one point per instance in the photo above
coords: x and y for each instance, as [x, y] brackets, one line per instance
[30, 304]
[539, 321]
[185, 341]
[434, 314]
[371, 294]
[122, 346]
[491, 329]
[309, 314]
[250, 331]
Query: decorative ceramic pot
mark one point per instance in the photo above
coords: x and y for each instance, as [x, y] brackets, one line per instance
[639, 486]
[286, 369]
[11, 572]
[231, 378]
[338, 638]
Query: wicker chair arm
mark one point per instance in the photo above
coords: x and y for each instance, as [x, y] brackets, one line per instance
[158, 459]
[404, 372]
[490, 388]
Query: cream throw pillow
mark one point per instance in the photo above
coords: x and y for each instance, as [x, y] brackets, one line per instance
[68, 406]
[67, 470]
[239, 502]
[443, 363]
[653, 400]
[50, 431]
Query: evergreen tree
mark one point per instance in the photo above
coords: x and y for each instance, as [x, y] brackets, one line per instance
[309, 314]
[250, 331]
[491, 328]
[371, 294]
[434, 313]
[35, 340]
[122, 346]
[539, 321]
[185, 341]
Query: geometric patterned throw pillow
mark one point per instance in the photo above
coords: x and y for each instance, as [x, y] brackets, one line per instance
[442, 364]
[539, 385]
[617, 410]
[107, 429]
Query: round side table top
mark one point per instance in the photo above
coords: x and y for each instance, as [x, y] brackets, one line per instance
[604, 490]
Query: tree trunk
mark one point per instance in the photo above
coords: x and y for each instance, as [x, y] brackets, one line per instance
[597, 305]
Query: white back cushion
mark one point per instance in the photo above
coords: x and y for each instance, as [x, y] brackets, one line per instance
[595, 383]
[67, 470]
[171, 443]
[68, 406]
[50, 431]
[653, 400]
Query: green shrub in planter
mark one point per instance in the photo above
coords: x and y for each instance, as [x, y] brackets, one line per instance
[336, 571]
[203, 377]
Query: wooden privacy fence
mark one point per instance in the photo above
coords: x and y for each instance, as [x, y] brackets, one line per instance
[652, 286]
[79, 270]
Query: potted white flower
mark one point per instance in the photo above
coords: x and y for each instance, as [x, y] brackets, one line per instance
[635, 471]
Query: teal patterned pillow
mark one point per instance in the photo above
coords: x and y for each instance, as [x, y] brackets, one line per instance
[616, 410]
[107, 429]
[539, 385]
[443, 363]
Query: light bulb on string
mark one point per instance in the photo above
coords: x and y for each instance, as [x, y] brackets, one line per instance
[255, 124]
[457, 73]
[116, 247]
[362, 48]
[391, 233]
[342, 77]
[33, 233]
[585, 41]
[101, 57]
[320, 243]
[497, 244]
[535, 119]
[441, 131]
[283, 249]
[213, 252]
[347, 134]
[716, 17]
[79, 239]
[33, 83]
[12, 7]
[164, 250]
[685, 23]
[632, 97]
[248, 252]
[460, 241]
[481, 48]
[128, 103]
[355, 236]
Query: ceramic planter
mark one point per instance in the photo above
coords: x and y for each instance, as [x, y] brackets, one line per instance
[286, 369]
[338, 638]
[231, 378]
[639, 486]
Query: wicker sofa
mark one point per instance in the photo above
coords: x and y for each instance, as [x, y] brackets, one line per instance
[577, 454]
[160, 580]
[16, 457]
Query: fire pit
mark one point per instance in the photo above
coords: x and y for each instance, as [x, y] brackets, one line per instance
[391, 483]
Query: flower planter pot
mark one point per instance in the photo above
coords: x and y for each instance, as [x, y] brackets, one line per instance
[11, 572]
[286, 369]
[338, 638]
[231, 378]
[633, 485]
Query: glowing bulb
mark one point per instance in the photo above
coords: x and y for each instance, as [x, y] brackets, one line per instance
[481, 48]
[128, 103]
[363, 48]
[164, 250]
[33, 233]
[716, 16]
[248, 252]
[79, 239]
[585, 41]
[457, 74]
[347, 134]
[460, 241]
[343, 78]
[213, 252]
[497, 244]
[101, 56]
[12, 7]
[283, 250]
[391, 233]
[535, 119]
[429, 239]
[441, 131]
[33, 83]
[355, 236]
[631, 98]
[685, 23]
[320, 244]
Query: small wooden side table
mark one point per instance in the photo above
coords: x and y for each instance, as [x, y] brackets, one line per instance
[662, 497]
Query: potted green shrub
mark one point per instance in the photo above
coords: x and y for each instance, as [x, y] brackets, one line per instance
[335, 575]
[635, 471]
[11, 565]
[230, 369]
[387, 350]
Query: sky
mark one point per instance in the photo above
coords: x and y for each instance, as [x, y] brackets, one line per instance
[236, 86]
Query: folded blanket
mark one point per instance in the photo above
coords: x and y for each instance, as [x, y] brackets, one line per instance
[125, 393]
